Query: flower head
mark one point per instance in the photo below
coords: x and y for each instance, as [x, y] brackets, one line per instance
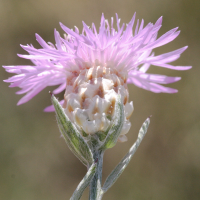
[94, 66]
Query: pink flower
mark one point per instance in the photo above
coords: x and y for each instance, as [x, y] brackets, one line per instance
[121, 49]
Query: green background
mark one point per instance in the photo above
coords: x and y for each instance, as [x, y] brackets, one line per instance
[35, 162]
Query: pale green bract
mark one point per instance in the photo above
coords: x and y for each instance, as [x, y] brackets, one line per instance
[73, 138]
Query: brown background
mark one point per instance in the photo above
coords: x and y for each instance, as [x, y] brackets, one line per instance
[35, 163]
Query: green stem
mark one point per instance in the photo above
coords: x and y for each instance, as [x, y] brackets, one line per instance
[95, 185]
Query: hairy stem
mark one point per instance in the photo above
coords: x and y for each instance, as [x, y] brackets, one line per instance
[95, 185]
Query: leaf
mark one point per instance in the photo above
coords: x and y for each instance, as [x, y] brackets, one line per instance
[73, 138]
[84, 183]
[123, 164]
[115, 130]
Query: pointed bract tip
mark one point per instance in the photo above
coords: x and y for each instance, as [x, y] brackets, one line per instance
[51, 93]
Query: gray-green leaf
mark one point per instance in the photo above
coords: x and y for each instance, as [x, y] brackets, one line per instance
[73, 138]
[123, 164]
[84, 183]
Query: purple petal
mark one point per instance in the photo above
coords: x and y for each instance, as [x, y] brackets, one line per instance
[181, 68]
[51, 108]
[166, 57]
[15, 78]
[57, 39]
[164, 39]
[153, 87]
[31, 94]
[156, 78]
[42, 42]
[60, 88]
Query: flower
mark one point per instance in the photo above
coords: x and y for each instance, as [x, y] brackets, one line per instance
[94, 66]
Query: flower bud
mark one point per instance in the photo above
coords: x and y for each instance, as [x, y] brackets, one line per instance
[90, 99]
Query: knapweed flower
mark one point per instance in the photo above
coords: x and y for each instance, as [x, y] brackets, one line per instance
[94, 66]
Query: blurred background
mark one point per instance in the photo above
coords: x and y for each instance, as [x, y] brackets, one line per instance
[35, 162]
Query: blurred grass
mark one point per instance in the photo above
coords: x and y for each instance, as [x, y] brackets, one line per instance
[36, 163]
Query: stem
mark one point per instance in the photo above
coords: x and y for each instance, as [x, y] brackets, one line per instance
[95, 185]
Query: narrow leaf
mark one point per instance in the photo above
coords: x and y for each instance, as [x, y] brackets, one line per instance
[123, 164]
[115, 130]
[73, 138]
[84, 183]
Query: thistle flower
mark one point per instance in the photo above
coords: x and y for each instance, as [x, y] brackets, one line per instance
[93, 67]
